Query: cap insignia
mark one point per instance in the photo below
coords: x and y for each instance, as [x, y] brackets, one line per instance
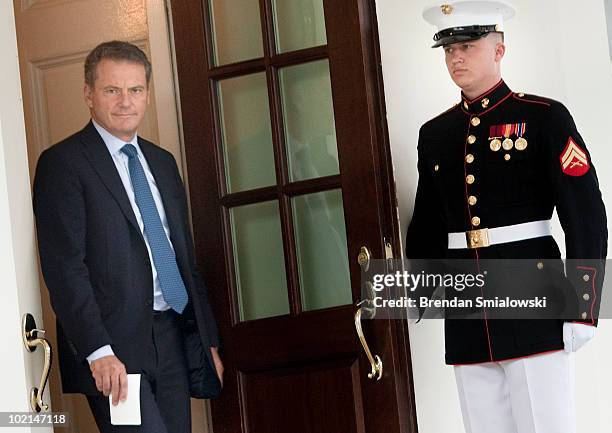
[446, 9]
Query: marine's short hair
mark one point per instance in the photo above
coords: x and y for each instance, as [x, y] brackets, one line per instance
[500, 35]
[118, 51]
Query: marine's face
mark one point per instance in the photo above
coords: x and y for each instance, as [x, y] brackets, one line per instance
[119, 97]
[474, 63]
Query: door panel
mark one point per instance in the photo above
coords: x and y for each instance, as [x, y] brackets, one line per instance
[261, 286]
[235, 31]
[308, 117]
[246, 132]
[298, 25]
[280, 255]
[322, 398]
[320, 237]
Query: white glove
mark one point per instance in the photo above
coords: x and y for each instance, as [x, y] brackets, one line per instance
[576, 335]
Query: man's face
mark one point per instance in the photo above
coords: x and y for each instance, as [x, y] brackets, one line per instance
[472, 63]
[119, 97]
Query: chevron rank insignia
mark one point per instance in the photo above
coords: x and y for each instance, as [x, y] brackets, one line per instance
[574, 160]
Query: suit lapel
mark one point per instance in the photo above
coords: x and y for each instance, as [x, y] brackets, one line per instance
[102, 162]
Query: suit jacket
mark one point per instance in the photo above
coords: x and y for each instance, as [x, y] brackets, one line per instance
[94, 258]
[469, 179]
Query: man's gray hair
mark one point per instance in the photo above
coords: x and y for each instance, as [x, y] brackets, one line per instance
[118, 51]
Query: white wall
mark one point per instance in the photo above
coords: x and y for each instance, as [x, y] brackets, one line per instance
[608, 5]
[556, 48]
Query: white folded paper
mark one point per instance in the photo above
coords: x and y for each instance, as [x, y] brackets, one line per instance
[127, 412]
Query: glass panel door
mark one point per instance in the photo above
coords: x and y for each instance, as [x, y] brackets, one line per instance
[284, 192]
[277, 133]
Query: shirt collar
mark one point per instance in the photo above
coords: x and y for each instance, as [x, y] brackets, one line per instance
[114, 144]
[487, 101]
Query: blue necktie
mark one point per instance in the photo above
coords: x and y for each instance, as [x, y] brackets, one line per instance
[172, 285]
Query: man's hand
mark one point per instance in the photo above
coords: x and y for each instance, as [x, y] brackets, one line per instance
[576, 335]
[111, 377]
[218, 363]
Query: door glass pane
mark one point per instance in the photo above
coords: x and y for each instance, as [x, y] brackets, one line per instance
[321, 249]
[246, 132]
[308, 112]
[259, 261]
[299, 24]
[236, 30]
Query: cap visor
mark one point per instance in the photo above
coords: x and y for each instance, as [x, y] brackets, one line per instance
[456, 38]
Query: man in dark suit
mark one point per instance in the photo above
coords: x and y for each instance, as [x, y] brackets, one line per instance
[117, 253]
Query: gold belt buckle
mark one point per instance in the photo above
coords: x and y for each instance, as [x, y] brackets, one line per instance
[477, 238]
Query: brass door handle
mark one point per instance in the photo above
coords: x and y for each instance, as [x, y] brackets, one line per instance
[375, 362]
[31, 340]
[364, 258]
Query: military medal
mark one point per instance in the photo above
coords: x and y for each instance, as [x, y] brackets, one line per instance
[495, 145]
[506, 130]
[498, 132]
[508, 144]
[521, 143]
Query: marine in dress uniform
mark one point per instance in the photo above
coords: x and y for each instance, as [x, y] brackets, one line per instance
[491, 171]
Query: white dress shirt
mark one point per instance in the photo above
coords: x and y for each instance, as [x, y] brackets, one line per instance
[114, 145]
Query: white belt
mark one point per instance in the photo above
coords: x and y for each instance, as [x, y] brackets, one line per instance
[499, 235]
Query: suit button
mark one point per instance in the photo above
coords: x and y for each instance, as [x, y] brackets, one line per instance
[148, 303]
[475, 221]
[469, 158]
[472, 200]
[471, 139]
[585, 277]
[586, 297]
[475, 121]
[540, 265]
[470, 179]
[584, 316]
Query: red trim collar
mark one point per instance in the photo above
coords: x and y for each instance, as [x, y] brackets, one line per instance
[486, 101]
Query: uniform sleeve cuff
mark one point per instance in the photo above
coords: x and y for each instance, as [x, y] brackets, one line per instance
[583, 323]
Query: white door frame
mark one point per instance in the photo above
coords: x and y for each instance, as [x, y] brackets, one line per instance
[20, 294]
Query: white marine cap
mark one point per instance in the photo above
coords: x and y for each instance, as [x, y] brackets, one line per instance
[465, 20]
